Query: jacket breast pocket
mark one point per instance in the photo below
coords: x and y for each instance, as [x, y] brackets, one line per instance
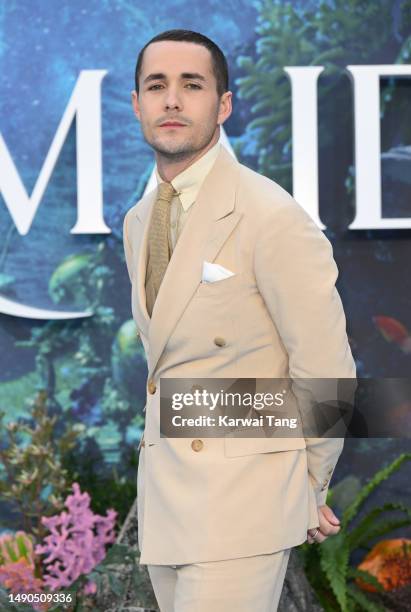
[220, 287]
[238, 447]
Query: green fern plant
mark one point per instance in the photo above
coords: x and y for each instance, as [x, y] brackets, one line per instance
[327, 565]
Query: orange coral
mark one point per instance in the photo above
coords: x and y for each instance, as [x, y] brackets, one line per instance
[19, 577]
[390, 562]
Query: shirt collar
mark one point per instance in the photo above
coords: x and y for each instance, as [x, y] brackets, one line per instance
[189, 181]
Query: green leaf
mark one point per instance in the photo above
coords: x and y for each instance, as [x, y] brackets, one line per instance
[334, 556]
[381, 475]
[21, 545]
[354, 572]
[368, 528]
[365, 603]
[380, 529]
[10, 551]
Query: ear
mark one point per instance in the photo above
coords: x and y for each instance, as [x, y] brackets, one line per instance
[225, 108]
[135, 103]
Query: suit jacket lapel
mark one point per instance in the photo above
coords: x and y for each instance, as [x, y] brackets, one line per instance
[208, 226]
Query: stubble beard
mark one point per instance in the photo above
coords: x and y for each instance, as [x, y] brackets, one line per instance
[179, 151]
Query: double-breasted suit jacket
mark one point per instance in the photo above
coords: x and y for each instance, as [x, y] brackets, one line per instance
[280, 316]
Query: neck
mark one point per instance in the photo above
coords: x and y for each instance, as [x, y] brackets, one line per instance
[169, 168]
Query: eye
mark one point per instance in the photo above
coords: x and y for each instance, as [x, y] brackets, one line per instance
[154, 87]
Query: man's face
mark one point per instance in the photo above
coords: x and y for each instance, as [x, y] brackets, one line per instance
[177, 84]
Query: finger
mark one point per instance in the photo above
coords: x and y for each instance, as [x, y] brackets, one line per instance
[330, 515]
[317, 539]
[326, 527]
[320, 537]
[333, 530]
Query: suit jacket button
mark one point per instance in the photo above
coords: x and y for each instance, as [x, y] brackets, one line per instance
[197, 445]
[219, 341]
[151, 387]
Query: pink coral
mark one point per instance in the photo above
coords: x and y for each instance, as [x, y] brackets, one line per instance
[77, 541]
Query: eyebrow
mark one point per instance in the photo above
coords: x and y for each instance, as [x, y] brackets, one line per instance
[184, 75]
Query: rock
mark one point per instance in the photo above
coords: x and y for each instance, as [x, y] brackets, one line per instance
[138, 593]
[297, 594]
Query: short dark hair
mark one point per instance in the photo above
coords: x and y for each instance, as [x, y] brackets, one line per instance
[218, 59]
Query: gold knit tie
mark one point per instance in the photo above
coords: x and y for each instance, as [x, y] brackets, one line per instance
[158, 245]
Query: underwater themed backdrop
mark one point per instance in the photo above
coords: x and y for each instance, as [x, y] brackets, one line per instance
[66, 75]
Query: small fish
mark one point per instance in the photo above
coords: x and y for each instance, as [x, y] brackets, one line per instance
[394, 331]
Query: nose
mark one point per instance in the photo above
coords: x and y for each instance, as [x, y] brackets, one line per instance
[172, 99]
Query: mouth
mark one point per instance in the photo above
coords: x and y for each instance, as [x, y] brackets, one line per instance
[172, 124]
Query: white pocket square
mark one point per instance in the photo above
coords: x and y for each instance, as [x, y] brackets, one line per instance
[214, 272]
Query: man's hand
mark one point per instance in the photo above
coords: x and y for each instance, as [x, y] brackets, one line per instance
[329, 525]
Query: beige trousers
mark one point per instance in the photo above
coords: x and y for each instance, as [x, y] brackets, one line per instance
[246, 584]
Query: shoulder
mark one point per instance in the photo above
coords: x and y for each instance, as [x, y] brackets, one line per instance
[132, 211]
[274, 216]
[129, 221]
[139, 211]
[266, 200]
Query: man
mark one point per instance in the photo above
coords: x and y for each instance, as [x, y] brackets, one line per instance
[218, 516]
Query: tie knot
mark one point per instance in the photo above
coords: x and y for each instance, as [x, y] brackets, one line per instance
[166, 191]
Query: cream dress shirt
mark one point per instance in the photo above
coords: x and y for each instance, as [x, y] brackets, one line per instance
[187, 184]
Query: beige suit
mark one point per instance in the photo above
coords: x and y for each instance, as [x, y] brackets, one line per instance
[280, 316]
